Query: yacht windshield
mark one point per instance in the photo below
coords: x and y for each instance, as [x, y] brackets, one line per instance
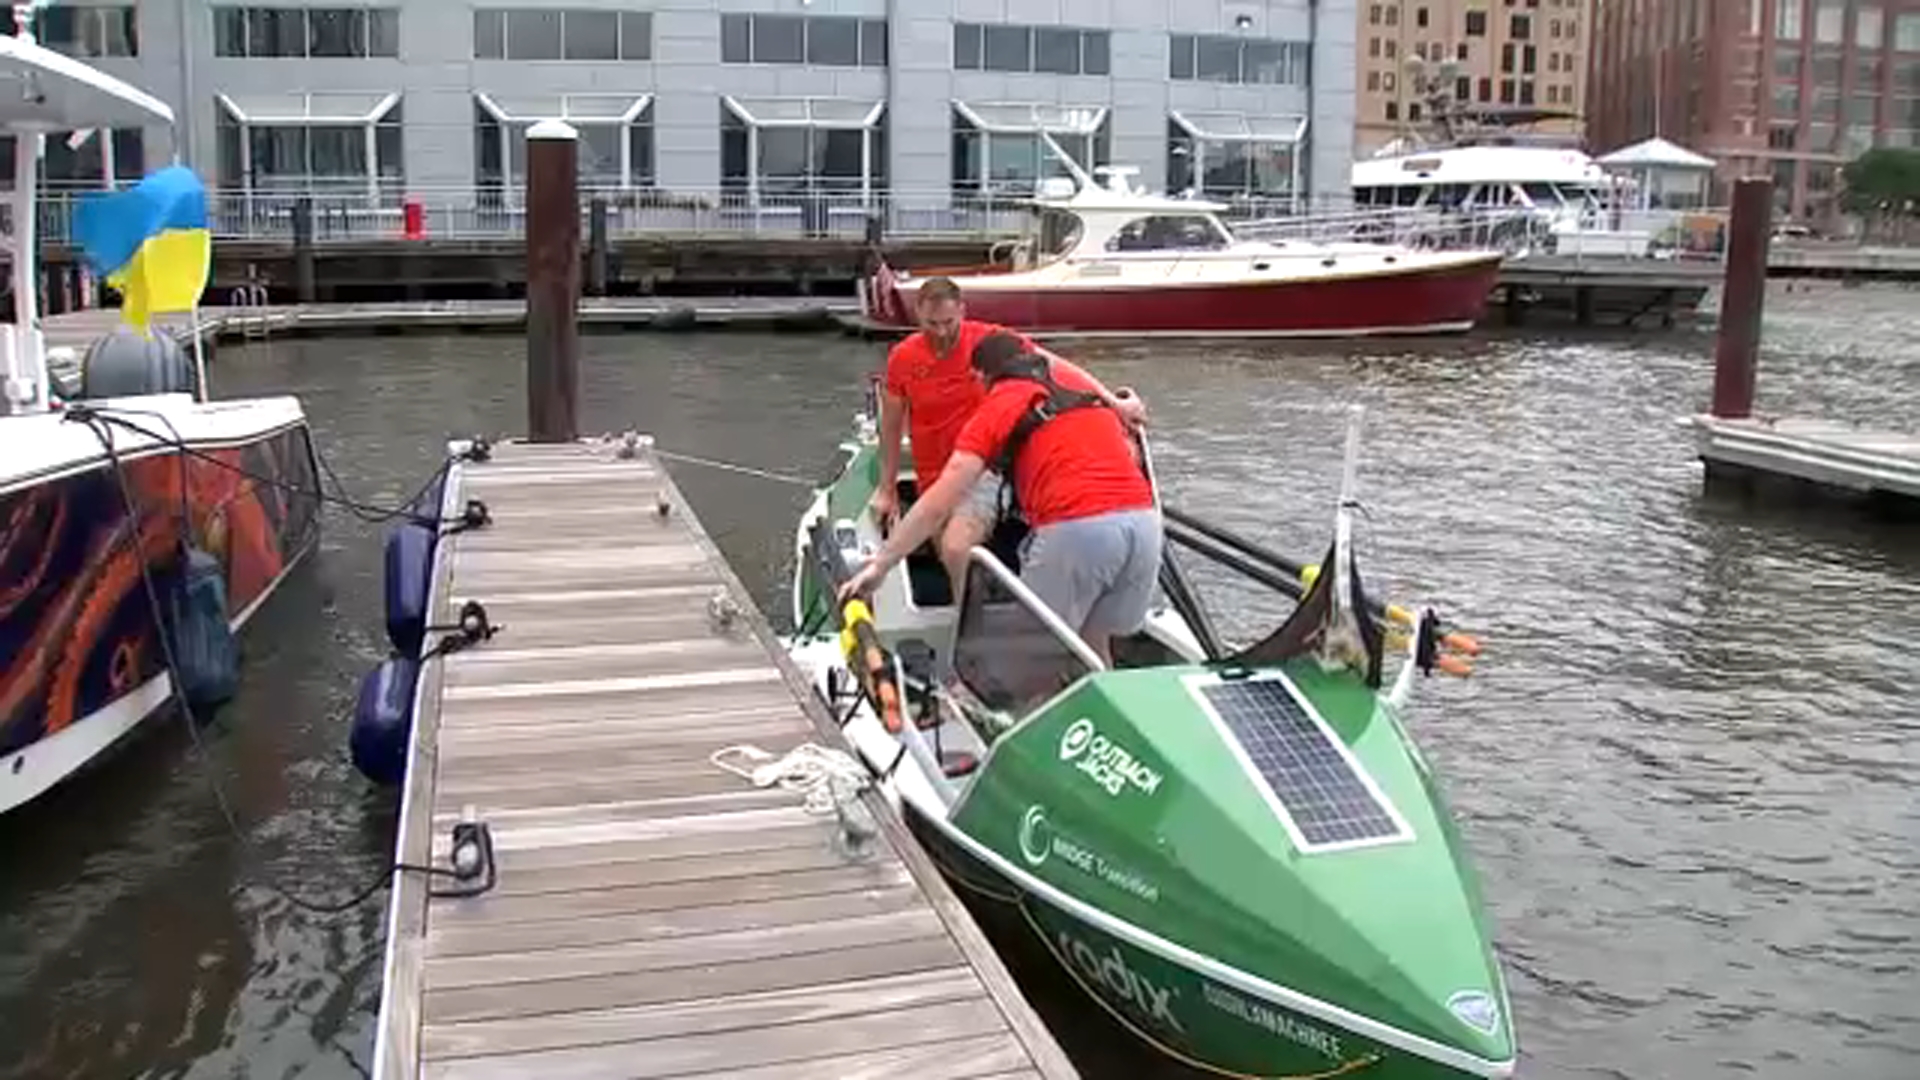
[1170, 232]
[1059, 232]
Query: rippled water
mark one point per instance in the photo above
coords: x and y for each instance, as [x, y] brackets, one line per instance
[1687, 766]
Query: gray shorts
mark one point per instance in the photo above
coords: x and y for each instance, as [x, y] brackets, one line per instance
[1097, 573]
[983, 499]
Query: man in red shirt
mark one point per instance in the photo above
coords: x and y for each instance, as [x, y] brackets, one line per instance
[1095, 550]
[932, 389]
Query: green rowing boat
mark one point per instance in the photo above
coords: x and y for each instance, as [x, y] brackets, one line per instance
[1237, 852]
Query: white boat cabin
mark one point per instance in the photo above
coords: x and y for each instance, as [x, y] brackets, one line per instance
[1563, 185]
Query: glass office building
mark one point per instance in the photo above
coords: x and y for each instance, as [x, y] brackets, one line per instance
[763, 98]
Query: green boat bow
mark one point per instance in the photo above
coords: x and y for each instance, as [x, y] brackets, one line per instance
[1242, 857]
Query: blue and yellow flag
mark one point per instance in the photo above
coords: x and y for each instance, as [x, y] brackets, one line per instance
[151, 242]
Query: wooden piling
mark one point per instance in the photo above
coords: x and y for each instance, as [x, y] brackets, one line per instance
[1738, 346]
[553, 283]
[304, 279]
[597, 253]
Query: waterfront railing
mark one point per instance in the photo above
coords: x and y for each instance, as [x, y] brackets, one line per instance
[359, 214]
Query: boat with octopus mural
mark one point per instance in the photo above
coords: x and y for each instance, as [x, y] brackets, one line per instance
[140, 523]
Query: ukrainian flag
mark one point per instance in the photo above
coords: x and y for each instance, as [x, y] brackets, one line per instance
[151, 242]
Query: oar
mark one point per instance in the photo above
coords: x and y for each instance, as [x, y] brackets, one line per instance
[1303, 575]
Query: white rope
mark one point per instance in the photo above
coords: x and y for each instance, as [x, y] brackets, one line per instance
[825, 776]
[744, 470]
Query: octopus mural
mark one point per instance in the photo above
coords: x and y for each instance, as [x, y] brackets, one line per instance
[76, 630]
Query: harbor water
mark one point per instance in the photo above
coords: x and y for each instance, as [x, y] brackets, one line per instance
[1688, 765]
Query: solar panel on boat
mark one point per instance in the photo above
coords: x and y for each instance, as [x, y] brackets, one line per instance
[1310, 775]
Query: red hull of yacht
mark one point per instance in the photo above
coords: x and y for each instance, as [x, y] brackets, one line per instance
[1443, 299]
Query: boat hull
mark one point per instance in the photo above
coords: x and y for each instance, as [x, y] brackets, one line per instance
[84, 664]
[1176, 1011]
[1447, 297]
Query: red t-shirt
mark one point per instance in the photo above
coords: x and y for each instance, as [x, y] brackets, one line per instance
[941, 392]
[1076, 465]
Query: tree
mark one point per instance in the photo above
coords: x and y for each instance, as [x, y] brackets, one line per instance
[1883, 187]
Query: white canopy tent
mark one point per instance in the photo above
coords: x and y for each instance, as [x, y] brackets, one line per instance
[1665, 174]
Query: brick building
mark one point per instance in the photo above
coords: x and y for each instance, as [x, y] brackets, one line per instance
[1520, 53]
[1789, 88]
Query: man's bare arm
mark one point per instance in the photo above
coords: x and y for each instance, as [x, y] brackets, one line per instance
[893, 421]
[1130, 407]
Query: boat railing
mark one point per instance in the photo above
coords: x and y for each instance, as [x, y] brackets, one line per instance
[1593, 232]
[1010, 649]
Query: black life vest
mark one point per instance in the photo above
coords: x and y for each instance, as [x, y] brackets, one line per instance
[1049, 402]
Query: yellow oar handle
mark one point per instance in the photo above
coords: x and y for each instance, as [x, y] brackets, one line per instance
[860, 644]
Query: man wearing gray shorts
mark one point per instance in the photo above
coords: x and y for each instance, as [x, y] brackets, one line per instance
[930, 390]
[1097, 572]
[1094, 554]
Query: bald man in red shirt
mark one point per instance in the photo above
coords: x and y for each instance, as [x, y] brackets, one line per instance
[932, 389]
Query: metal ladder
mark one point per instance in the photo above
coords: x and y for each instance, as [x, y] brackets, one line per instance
[254, 320]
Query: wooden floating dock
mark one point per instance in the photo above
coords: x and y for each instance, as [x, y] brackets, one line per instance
[1744, 450]
[1878, 468]
[77, 329]
[655, 915]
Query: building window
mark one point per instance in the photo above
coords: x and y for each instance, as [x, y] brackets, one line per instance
[1506, 91]
[107, 30]
[1234, 155]
[1393, 110]
[1460, 52]
[615, 138]
[556, 34]
[310, 143]
[303, 33]
[1506, 57]
[1413, 111]
[1553, 28]
[789, 147]
[64, 165]
[1373, 15]
[1420, 18]
[1906, 32]
[818, 40]
[1373, 51]
[1528, 60]
[1043, 49]
[1393, 16]
[1786, 20]
[1373, 80]
[1867, 27]
[1240, 60]
[1393, 48]
[1389, 82]
[1829, 23]
[1526, 91]
[1866, 74]
[1463, 88]
[1520, 27]
[1476, 24]
[1486, 89]
[997, 149]
[1553, 61]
